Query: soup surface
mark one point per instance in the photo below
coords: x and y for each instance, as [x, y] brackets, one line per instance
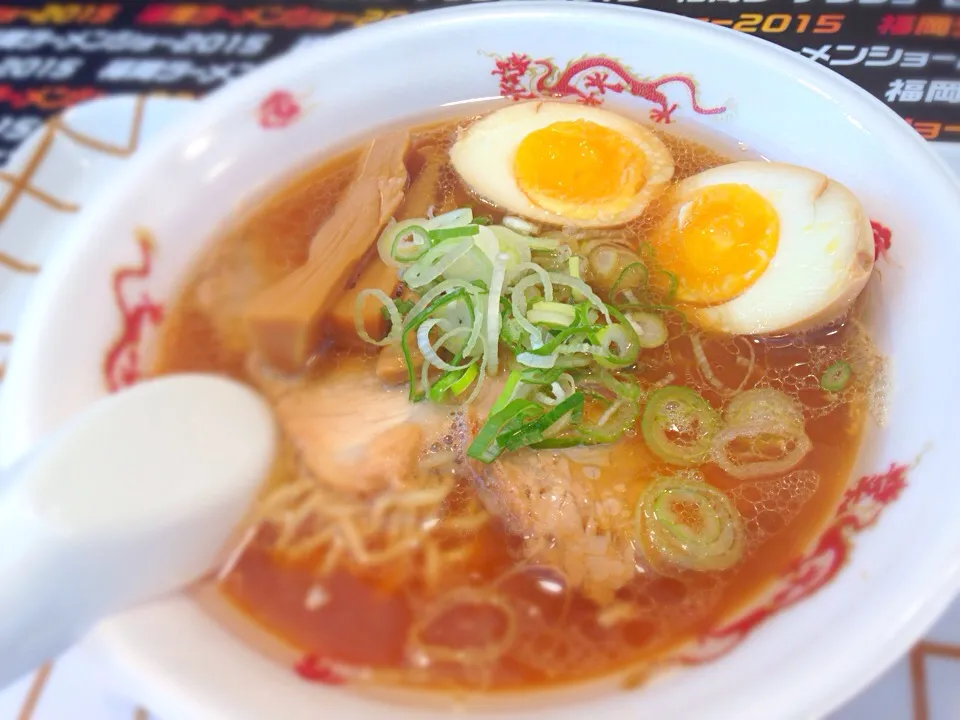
[434, 543]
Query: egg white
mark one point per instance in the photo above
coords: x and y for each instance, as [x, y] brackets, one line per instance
[824, 255]
[483, 155]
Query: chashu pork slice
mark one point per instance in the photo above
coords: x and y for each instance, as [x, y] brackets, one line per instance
[573, 508]
[354, 434]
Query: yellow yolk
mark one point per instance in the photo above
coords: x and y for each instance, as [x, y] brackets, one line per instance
[720, 244]
[579, 168]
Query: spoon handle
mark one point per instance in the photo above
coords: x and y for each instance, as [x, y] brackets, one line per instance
[46, 603]
[133, 499]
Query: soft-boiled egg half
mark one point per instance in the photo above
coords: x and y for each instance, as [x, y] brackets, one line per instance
[762, 247]
[563, 164]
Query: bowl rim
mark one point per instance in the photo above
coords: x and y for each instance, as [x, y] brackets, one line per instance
[916, 618]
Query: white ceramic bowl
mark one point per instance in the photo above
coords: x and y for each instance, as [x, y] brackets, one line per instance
[88, 329]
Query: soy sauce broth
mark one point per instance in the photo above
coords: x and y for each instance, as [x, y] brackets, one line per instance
[362, 620]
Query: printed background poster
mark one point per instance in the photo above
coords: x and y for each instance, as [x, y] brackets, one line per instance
[55, 54]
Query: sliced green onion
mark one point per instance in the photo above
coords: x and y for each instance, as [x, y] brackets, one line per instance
[544, 362]
[482, 220]
[618, 343]
[620, 396]
[544, 244]
[435, 304]
[650, 328]
[474, 267]
[410, 244]
[518, 224]
[519, 382]
[604, 261]
[480, 375]
[442, 385]
[447, 233]
[552, 259]
[584, 289]
[509, 392]
[836, 377]
[462, 315]
[571, 362]
[403, 305]
[687, 523]
[764, 434]
[542, 277]
[455, 316]
[576, 346]
[435, 262]
[562, 337]
[393, 232]
[443, 288]
[679, 425]
[671, 283]
[552, 314]
[646, 251]
[624, 386]
[429, 352]
[586, 314]
[632, 278]
[486, 240]
[617, 346]
[466, 377]
[492, 348]
[760, 449]
[484, 446]
[456, 382]
[563, 387]
[518, 304]
[763, 406]
[515, 246]
[540, 377]
[657, 310]
[453, 218]
[534, 431]
[617, 420]
[389, 305]
[574, 268]
[512, 334]
[620, 422]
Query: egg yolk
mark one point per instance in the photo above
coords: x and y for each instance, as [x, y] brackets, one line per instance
[719, 244]
[579, 168]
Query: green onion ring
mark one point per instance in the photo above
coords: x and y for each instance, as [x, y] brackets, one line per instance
[650, 328]
[759, 432]
[763, 405]
[713, 541]
[395, 320]
[410, 244]
[632, 277]
[836, 377]
[679, 410]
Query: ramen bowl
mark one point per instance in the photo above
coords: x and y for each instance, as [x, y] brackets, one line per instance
[884, 563]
